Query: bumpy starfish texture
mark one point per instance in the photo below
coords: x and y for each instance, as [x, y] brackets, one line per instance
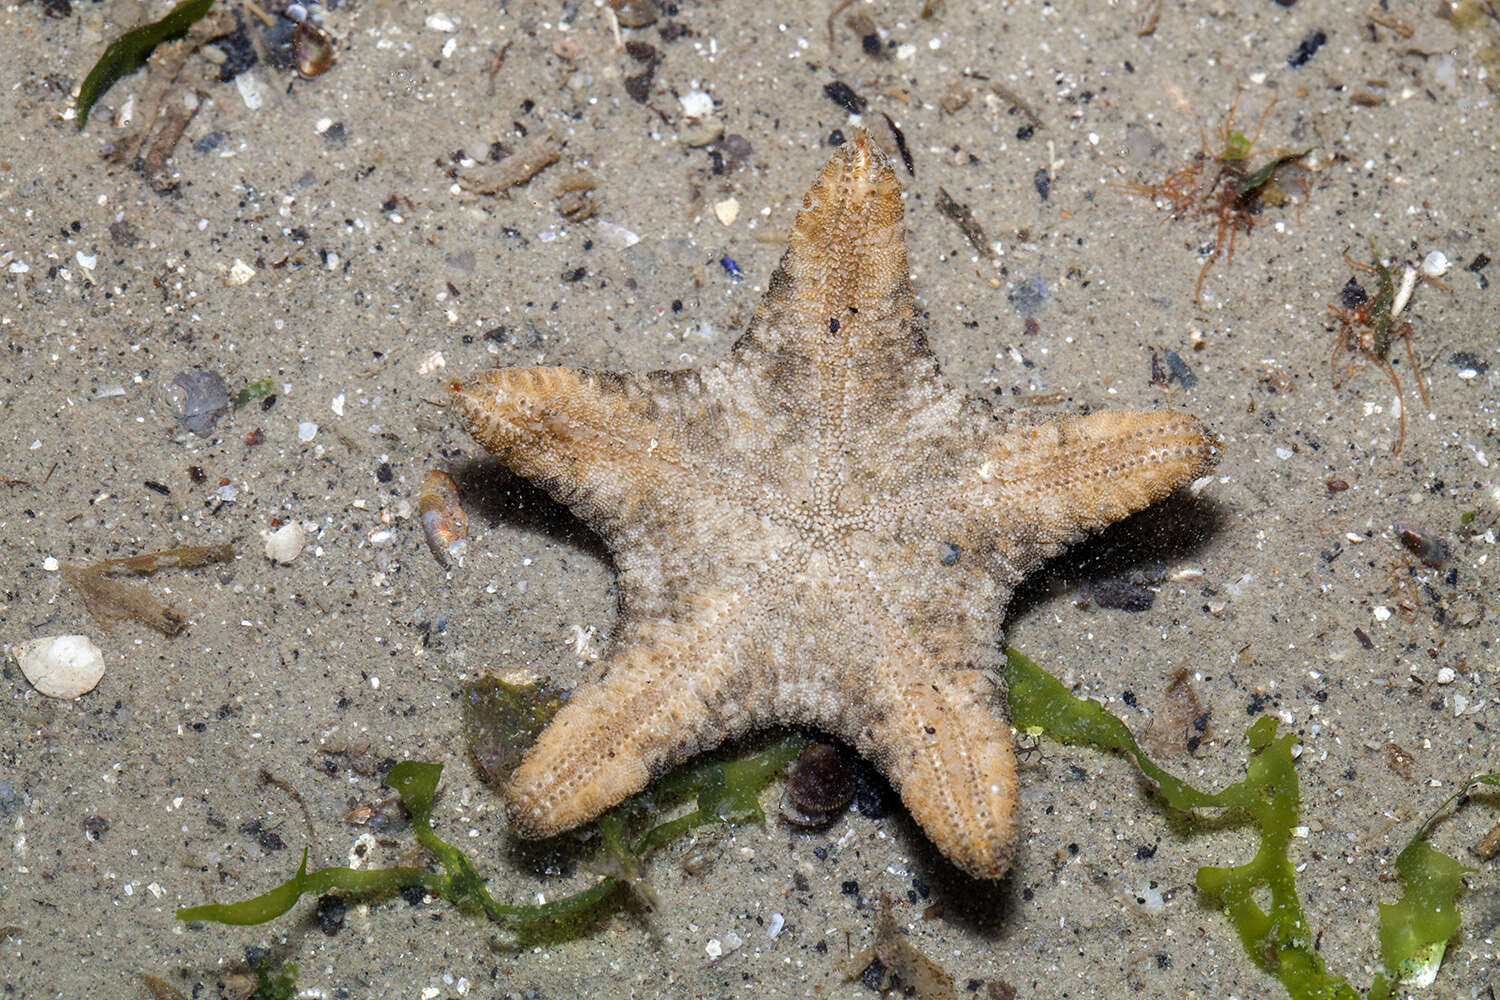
[816, 531]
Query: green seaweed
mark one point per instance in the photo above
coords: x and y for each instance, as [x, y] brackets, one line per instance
[278, 985]
[130, 51]
[1252, 184]
[1236, 145]
[1413, 931]
[725, 791]
[258, 389]
[1380, 307]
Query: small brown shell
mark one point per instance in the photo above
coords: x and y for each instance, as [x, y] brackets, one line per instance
[312, 49]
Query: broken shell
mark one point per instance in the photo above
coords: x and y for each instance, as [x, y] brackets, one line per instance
[444, 524]
[285, 543]
[60, 666]
[696, 132]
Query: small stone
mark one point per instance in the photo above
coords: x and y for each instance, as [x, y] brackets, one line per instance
[727, 211]
[285, 543]
[1446, 675]
[60, 666]
[307, 430]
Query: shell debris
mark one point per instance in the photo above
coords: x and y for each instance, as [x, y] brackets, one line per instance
[60, 666]
[444, 524]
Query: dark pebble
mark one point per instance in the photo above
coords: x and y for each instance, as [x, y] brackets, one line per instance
[1042, 181]
[330, 914]
[383, 473]
[1309, 47]
[843, 95]
[1122, 595]
[239, 53]
[639, 85]
[873, 795]
[1353, 295]
[1463, 359]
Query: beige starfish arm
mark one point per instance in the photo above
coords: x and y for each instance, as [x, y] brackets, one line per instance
[667, 696]
[1057, 481]
[939, 738]
[598, 442]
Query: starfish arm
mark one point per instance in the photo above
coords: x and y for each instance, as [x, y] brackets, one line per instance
[669, 693]
[608, 446]
[936, 734]
[837, 327]
[1051, 484]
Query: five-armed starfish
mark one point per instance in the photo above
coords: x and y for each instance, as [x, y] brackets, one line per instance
[818, 530]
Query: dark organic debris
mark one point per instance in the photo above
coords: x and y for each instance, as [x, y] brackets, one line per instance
[1175, 371]
[1119, 594]
[1307, 49]
[843, 95]
[516, 169]
[111, 600]
[502, 721]
[202, 400]
[901, 147]
[967, 224]
[899, 960]
[1179, 722]
[1425, 545]
[1042, 181]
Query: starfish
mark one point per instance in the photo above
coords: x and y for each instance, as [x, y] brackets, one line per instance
[816, 531]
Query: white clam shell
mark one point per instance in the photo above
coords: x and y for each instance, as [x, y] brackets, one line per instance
[285, 543]
[60, 666]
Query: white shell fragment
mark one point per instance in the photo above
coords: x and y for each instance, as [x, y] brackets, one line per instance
[285, 543]
[60, 666]
[727, 211]
[1435, 264]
